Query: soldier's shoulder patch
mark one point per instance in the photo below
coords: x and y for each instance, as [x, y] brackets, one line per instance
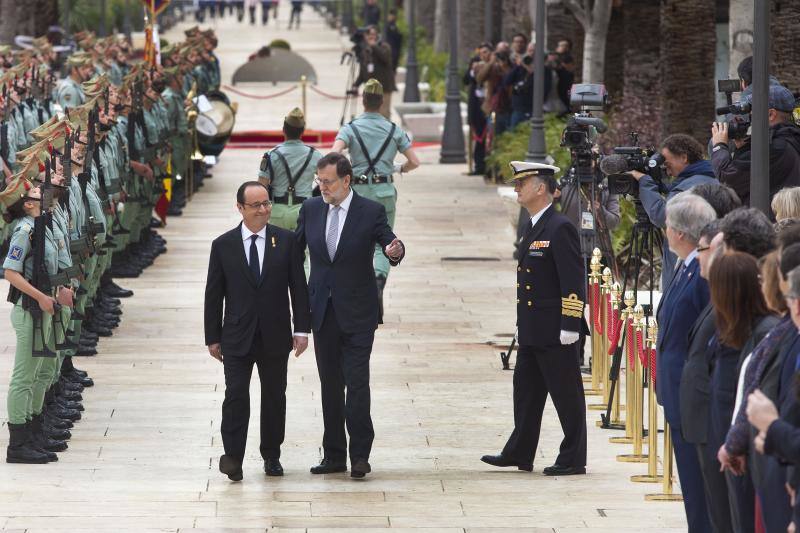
[15, 253]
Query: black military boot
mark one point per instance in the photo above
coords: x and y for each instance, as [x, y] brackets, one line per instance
[19, 449]
[42, 440]
[54, 432]
[53, 421]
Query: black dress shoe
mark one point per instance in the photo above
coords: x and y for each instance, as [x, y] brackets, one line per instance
[272, 467]
[499, 460]
[329, 466]
[359, 468]
[561, 470]
[231, 467]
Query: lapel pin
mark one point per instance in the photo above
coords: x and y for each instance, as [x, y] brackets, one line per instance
[273, 241]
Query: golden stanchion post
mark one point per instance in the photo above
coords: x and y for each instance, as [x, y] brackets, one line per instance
[652, 408]
[667, 495]
[616, 304]
[635, 409]
[627, 314]
[600, 356]
[303, 87]
[594, 309]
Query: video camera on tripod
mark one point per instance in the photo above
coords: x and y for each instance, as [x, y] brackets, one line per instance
[580, 133]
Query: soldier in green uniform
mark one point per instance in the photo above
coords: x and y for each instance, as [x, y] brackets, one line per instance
[288, 170]
[27, 387]
[68, 92]
[373, 142]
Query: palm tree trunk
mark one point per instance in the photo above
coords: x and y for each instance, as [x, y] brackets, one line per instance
[784, 24]
[688, 46]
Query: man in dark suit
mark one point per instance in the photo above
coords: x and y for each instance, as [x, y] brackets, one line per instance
[341, 230]
[695, 401]
[252, 270]
[550, 296]
[682, 302]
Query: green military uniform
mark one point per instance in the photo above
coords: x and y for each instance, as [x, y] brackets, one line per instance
[69, 93]
[290, 168]
[28, 381]
[371, 138]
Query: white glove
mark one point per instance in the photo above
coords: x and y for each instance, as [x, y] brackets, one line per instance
[398, 168]
[569, 337]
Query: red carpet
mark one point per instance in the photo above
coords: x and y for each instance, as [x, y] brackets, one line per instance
[264, 140]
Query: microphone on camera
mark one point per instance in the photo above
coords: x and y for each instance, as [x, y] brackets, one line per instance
[614, 164]
[598, 123]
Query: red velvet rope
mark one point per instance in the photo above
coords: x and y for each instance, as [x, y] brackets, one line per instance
[653, 366]
[615, 333]
[598, 325]
[609, 316]
[640, 348]
[631, 343]
[259, 96]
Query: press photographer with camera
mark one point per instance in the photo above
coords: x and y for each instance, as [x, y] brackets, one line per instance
[683, 159]
[732, 166]
[375, 61]
[520, 81]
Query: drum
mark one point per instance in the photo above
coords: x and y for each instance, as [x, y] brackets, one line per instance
[214, 126]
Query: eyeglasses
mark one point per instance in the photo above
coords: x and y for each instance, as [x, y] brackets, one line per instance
[703, 248]
[325, 183]
[258, 205]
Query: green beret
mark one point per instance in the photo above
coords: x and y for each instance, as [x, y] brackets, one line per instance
[295, 118]
[373, 86]
[14, 191]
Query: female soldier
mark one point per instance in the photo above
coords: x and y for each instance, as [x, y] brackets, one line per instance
[28, 381]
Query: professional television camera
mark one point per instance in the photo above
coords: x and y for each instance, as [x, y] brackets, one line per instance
[582, 128]
[740, 117]
[626, 158]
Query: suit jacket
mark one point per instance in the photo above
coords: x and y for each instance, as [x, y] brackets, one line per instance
[678, 310]
[255, 304]
[349, 279]
[550, 281]
[696, 379]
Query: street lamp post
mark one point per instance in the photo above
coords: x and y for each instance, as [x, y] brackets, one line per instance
[126, 20]
[537, 150]
[488, 21]
[453, 135]
[102, 28]
[411, 92]
[759, 167]
[347, 16]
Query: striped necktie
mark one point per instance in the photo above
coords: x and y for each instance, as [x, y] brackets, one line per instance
[333, 231]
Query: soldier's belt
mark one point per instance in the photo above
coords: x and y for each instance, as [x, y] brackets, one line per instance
[376, 179]
[285, 199]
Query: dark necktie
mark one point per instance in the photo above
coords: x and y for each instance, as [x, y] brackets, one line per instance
[255, 268]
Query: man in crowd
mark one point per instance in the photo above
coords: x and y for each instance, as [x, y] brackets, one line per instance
[376, 62]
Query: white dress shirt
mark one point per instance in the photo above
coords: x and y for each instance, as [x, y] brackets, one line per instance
[260, 243]
[536, 216]
[344, 208]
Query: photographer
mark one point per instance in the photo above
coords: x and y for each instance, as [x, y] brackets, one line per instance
[475, 116]
[683, 159]
[733, 167]
[498, 97]
[603, 214]
[520, 81]
[375, 59]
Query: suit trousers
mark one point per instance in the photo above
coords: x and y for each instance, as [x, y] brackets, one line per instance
[236, 406]
[742, 497]
[343, 364]
[540, 371]
[694, 501]
[715, 488]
